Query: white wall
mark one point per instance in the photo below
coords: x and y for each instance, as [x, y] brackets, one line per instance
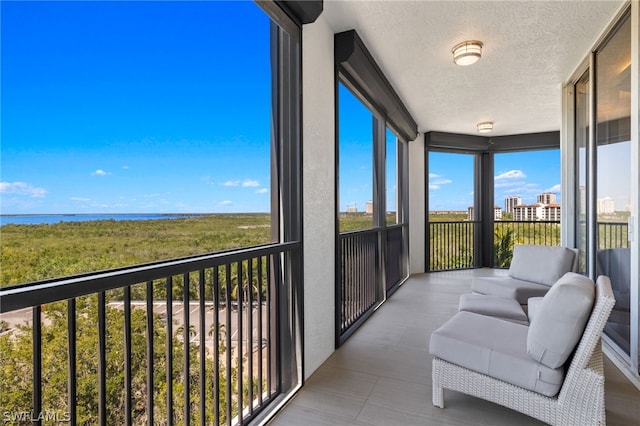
[318, 173]
[417, 215]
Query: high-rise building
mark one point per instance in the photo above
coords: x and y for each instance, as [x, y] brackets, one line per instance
[545, 209]
[528, 212]
[547, 198]
[510, 202]
[368, 207]
[606, 205]
[551, 212]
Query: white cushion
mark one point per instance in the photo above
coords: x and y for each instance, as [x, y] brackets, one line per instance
[560, 319]
[494, 306]
[533, 306]
[496, 348]
[540, 264]
[519, 290]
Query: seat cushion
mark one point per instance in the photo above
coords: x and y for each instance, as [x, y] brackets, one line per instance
[508, 287]
[533, 304]
[496, 348]
[560, 319]
[540, 264]
[495, 306]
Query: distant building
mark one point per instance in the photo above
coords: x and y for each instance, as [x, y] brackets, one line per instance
[352, 209]
[547, 198]
[606, 205]
[537, 211]
[510, 202]
[551, 212]
[547, 208]
[368, 207]
[497, 213]
[527, 212]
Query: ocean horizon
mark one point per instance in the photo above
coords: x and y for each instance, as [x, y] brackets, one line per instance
[48, 219]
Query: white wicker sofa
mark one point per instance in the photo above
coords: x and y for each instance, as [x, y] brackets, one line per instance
[538, 369]
[533, 270]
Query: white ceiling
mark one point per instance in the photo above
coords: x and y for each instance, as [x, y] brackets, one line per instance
[530, 49]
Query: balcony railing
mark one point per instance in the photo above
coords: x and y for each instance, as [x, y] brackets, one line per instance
[187, 341]
[613, 235]
[451, 245]
[361, 278]
[507, 233]
[396, 265]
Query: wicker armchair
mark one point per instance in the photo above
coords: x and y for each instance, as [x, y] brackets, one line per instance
[580, 400]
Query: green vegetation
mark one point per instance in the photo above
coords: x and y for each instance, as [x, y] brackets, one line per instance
[503, 242]
[359, 221]
[36, 252]
[16, 371]
[448, 216]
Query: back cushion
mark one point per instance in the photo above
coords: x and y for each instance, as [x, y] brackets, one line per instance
[560, 319]
[540, 264]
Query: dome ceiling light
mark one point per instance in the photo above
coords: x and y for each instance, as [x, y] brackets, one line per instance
[467, 53]
[485, 126]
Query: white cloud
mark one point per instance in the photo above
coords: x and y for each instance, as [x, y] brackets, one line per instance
[247, 183]
[507, 184]
[22, 188]
[225, 203]
[81, 199]
[554, 188]
[511, 174]
[262, 191]
[440, 182]
[436, 181]
[100, 172]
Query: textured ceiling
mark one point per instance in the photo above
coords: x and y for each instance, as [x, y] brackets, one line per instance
[530, 49]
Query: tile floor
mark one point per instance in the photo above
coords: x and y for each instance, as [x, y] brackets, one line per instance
[382, 374]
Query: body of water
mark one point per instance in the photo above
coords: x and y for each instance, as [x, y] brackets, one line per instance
[35, 219]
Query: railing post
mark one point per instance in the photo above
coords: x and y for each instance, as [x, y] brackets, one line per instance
[37, 363]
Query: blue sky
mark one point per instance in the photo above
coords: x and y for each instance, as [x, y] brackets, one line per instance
[133, 107]
[526, 174]
[164, 107]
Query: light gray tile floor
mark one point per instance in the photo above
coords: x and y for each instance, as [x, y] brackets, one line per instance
[382, 374]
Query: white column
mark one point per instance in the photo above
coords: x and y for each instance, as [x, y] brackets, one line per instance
[319, 210]
[417, 214]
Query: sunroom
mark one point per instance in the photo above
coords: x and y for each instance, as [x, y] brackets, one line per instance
[327, 322]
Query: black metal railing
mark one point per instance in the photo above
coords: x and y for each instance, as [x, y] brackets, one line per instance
[372, 263]
[396, 265]
[359, 276]
[538, 232]
[451, 245]
[507, 233]
[186, 341]
[613, 235]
